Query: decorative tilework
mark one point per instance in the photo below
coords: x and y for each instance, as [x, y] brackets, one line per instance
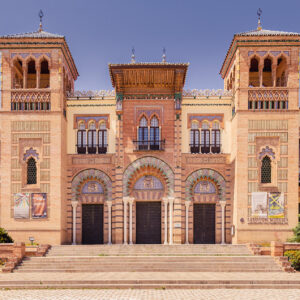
[36, 55]
[148, 183]
[205, 187]
[148, 161]
[30, 153]
[266, 151]
[93, 175]
[92, 187]
[205, 174]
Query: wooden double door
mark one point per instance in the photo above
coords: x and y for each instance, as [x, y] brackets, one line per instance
[92, 223]
[204, 223]
[148, 222]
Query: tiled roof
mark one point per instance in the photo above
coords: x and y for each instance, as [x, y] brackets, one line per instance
[265, 32]
[36, 34]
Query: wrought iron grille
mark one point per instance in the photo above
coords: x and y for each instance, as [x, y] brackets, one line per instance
[31, 171]
[266, 170]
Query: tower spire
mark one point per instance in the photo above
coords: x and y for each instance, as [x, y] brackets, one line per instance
[164, 55]
[41, 14]
[259, 12]
[133, 55]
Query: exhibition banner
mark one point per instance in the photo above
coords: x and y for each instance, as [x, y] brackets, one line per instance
[276, 206]
[39, 205]
[259, 205]
[21, 205]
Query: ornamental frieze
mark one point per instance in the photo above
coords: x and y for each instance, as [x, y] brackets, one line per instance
[206, 160]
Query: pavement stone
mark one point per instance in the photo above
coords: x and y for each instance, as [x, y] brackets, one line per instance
[224, 294]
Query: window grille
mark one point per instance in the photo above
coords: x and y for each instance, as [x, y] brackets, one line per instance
[266, 170]
[205, 125]
[195, 125]
[31, 171]
[154, 122]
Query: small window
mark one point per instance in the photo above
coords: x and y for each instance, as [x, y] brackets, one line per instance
[266, 170]
[205, 125]
[31, 171]
[216, 125]
[267, 73]
[195, 125]
[253, 73]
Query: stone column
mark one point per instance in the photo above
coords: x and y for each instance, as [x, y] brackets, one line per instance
[171, 202]
[166, 200]
[260, 73]
[223, 204]
[109, 205]
[125, 201]
[38, 77]
[131, 201]
[274, 69]
[74, 206]
[24, 77]
[187, 204]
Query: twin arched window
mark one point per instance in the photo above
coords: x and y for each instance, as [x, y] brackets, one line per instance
[146, 142]
[89, 141]
[210, 138]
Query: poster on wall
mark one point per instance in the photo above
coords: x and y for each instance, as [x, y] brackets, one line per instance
[39, 205]
[259, 205]
[21, 205]
[276, 206]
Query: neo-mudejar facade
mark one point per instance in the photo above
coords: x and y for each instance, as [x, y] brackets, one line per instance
[149, 162]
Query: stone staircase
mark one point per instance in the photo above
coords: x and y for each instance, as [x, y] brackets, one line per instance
[150, 266]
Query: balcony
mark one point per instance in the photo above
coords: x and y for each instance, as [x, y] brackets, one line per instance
[87, 149]
[205, 148]
[30, 100]
[268, 98]
[149, 145]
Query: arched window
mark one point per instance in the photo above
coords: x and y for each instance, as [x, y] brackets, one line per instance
[45, 75]
[31, 171]
[215, 138]
[102, 138]
[18, 74]
[143, 134]
[31, 74]
[154, 134]
[205, 138]
[92, 138]
[81, 139]
[266, 170]
[194, 137]
[281, 72]
[253, 73]
[267, 72]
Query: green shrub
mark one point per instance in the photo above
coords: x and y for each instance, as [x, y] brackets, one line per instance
[294, 258]
[296, 237]
[4, 236]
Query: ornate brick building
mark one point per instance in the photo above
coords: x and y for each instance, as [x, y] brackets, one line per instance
[149, 162]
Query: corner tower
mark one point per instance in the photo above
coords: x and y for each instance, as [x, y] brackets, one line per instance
[37, 69]
[261, 68]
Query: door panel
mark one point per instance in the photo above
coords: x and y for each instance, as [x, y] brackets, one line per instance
[92, 223]
[204, 223]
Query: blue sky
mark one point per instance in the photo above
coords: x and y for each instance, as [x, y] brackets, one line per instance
[194, 31]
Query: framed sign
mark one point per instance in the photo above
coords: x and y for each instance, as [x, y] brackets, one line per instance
[259, 205]
[39, 205]
[21, 205]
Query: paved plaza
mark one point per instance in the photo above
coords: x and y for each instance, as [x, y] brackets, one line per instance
[150, 294]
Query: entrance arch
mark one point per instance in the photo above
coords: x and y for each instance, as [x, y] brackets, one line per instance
[146, 182]
[91, 194]
[205, 192]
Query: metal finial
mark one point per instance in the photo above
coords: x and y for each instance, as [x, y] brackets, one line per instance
[41, 14]
[132, 55]
[259, 12]
[164, 55]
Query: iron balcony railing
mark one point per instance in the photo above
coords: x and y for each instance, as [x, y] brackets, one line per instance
[205, 148]
[149, 145]
[91, 149]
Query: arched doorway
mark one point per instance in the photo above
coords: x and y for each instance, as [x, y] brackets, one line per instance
[147, 182]
[205, 191]
[91, 203]
[148, 192]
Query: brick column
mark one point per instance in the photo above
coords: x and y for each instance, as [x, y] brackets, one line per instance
[165, 201]
[223, 204]
[109, 205]
[187, 205]
[125, 202]
[130, 201]
[171, 202]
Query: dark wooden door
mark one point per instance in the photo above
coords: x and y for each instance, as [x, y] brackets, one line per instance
[148, 222]
[92, 223]
[204, 223]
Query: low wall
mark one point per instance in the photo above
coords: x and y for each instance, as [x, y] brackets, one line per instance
[278, 248]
